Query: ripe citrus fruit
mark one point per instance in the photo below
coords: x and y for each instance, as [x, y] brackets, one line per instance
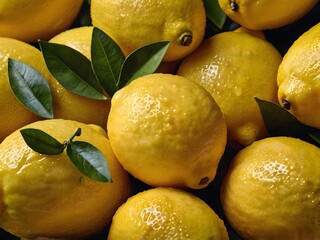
[133, 24]
[299, 78]
[68, 105]
[166, 213]
[265, 14]
[272, 190]
[46, 195]
[256, 33]
[167, 131]
[235, 67]
[36, 19]
[13, 114]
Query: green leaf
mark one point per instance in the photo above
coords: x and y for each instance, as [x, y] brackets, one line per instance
[214, 13]
[144, 60]
[86, 157]
[107, 60]
[72, 70]
[30, 88]
[89, 161]
[314, 133]
[41, 142]
[280, 122]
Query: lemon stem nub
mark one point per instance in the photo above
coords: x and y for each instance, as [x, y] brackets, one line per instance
[234, 6]
[204, 181]
[186, 39]
[286, 104]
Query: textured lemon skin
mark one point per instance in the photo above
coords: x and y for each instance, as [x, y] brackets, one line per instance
[262, 15]
[167, 131]
[272, 190]
[32, 20]
[46, 196]
[166, 213]
[68, 105]
[13, 114]
[133, 24]
[235, 67]
[299, 77]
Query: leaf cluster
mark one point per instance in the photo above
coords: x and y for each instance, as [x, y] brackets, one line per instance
[107, 72]
[86, 157]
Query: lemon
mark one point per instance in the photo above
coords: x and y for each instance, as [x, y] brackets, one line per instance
[256, 33]
[272, 190]
[265, 14]
[36, 19]
[235, 67]
[68, 105]
[46, 195]
[167, 131]
[133, 24]
[13, 114]
[166, 213]
[299, 78]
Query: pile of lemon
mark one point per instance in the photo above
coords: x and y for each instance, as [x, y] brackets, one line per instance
[167, 131]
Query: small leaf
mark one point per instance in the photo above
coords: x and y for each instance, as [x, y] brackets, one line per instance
[89, 161]
[280, 122]
[214, 13]
[72, 70]
[143, 61]
[41, 142]
[107, 59]
[30, 88]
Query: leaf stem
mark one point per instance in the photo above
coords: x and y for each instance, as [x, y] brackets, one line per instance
[76, 133]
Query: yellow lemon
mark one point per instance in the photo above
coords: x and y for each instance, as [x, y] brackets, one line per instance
[256, 33]
[36, 19]
[299, 78]
[265, 14]
[166, 213]
[235, 67]
[13, 114]
[272, 190]
[68, 105]
[46, 195]
[133, 24]
[167, 131]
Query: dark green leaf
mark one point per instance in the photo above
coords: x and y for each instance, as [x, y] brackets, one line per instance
[89, 161]
[41, 142]
[72, 70]
[214, 13]
[107, 59]
[314, 133]
[280, 122]
[30, 88]
[143, 61]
